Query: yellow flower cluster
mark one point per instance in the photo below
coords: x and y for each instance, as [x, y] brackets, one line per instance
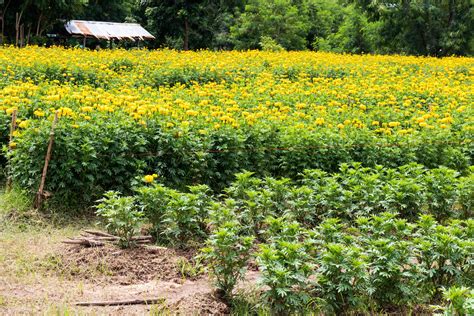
[149, 178]
[203, 91]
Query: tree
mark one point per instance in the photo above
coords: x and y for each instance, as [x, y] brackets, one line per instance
[325, 18]
[35, 16]
[106, 10]
[188, 24]
[423, 27]
[279, 19]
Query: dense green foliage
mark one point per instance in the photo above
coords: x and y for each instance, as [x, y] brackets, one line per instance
[438, 28]
[105, 155]
[373, 261]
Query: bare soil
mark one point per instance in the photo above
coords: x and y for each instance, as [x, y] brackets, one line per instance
[67, 274]
[112, 265]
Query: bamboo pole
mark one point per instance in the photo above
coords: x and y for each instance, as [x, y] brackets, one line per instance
[40, 193]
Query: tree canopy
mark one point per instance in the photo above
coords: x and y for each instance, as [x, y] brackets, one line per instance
[419, 27]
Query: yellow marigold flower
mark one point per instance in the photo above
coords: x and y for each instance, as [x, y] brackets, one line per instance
[12, 145]
[319, 121]
[11, 110]
[38, 113]
[340, 126]
[23, 124]
[148, 178]
[87, 109]
[443, 126]
[394, 124]
[192, 112]
[375, 123]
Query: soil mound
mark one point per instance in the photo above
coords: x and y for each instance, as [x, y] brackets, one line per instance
[110, 264]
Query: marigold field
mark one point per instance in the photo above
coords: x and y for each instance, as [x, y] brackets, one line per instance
[202, 116]
[345, 182]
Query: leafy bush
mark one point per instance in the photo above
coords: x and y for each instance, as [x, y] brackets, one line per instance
[177, 218]
[342, 277]
[122, 216]
[269, 44]
[227, 253]
[460, 301]
[286, 267]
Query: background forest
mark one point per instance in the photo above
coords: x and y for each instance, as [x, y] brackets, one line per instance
[418, 27]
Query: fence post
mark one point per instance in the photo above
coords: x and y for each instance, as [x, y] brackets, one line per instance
[40, 193]
[12, 130]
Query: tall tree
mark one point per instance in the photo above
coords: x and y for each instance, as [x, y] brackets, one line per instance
[106, 10]
[187, 24]
[279, 19]
[423, 27]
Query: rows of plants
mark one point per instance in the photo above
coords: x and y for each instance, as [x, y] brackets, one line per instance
[109, 154]
[361, 240]
[109, 68]
[200, 117]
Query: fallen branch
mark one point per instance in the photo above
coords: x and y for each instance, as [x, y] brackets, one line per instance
[98, 233]
[84, 242]
[149, 301]
[93, 238]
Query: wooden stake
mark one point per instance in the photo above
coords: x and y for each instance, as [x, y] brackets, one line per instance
[149, 301]
[40, 194]
[12, 130]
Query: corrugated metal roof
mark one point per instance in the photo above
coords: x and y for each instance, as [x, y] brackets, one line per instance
[108, 30]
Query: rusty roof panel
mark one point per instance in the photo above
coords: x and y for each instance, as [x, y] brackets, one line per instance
[107, 30]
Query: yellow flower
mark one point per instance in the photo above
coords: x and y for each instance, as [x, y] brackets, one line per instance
[423, 124]
[23, 124]
[319, 121]
[11, 110]
[38, 113]
[12, 145]
[394, 124]
[340, 126]
[148, 178]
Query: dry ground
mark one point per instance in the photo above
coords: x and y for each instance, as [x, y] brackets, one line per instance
[41, 275]
[38, 274]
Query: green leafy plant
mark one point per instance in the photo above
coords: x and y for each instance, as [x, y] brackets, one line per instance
[286, 266]
[123, 217]
[460, 301]
[227, 253]
[177, 218]
[342, 277]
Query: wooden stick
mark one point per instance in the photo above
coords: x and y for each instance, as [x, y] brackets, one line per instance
[39, 195]
[139, 238]
[148, 301]
[98, 233]
[84, 242]
[12, 131]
